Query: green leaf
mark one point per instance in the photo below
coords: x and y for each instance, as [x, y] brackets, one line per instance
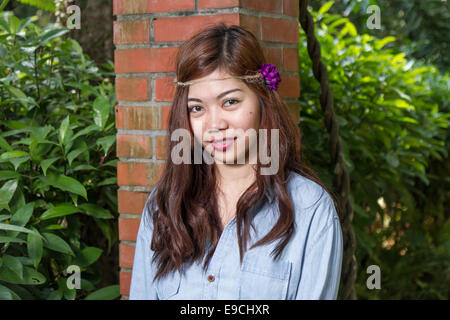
[86, 285]
[30, 276]
[23, 214]
[64, 183]
[15, 157]
[35, 248]
[102, 108]
[9, 227]
[14, 24]
[75, 153]
[87, 130]
[63, 129]
[41, 132]
[45, 164]
[4, 144]
[52, 34]
[56, 243]
[107, 293]
[13, 154]
[323, 9]
[55, 295]
[82, 167]
[16, 162]
[59, 211]
[48, 5]
[95, 211]
[8, 174]
[382, 42]
[8, 294]
[108, 181]
[7, 192]
[4, 239]
[13, 264]
[106, 142]
[87, 256]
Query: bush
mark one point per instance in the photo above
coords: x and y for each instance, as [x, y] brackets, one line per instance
[393, 115]
[57, 169]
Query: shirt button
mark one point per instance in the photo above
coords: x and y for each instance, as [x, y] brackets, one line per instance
[211, 278]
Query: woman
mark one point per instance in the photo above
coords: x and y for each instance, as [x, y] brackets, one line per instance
[227, 230]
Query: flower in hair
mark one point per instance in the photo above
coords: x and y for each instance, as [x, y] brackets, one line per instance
[271, 76]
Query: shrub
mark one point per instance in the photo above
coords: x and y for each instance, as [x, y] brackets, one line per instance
[57, 167]
[393, 115]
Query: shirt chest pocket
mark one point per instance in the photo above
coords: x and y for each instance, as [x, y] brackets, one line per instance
[168, 287]
[261, 278]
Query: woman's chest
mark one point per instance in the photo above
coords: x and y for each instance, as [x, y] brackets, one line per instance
[258, 277]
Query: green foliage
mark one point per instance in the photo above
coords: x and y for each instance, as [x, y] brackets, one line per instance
[421, 27]
[57, 169]
[393, 115]
[48, 5]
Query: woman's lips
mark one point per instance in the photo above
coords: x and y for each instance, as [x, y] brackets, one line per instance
[223, 145]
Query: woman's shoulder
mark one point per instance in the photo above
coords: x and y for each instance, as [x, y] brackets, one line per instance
[304, 191]
[313, 205]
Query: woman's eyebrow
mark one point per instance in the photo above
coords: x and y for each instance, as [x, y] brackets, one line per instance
[218, 97]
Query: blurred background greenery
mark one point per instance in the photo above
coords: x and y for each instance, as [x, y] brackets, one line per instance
[57, 143]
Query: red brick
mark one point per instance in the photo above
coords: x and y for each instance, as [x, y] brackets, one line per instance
[291, 7]
[128, 229]
[161, 147]
[273, 56]
[149, 6]
[132, 89]
[165, 113]
[290, 59]
[289, 86]
[164, 89]
[126, 32]
[138, 118]
[294, 110]
[133, 146]
[251, 23]
[131, 202]
[174, 29]
[271, 28]
[126, 256]
[205, 4]
[274, 6]
[145, 60]
[138, 174]
[125, 281]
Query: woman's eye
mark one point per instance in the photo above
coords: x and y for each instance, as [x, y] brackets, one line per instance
[192, 109]
[234, 101]
[197, 109]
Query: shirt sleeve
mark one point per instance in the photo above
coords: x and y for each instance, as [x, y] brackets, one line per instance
[142, 286]
[321, 271]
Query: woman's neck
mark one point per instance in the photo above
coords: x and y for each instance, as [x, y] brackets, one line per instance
[235, 178]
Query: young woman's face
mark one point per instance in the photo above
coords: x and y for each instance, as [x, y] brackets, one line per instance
[221, 109]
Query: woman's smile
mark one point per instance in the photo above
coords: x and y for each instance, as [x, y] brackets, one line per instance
[223, 145]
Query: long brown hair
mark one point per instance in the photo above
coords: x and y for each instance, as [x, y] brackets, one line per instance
[187, 212]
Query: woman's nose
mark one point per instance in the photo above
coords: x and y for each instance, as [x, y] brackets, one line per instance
[216, 119]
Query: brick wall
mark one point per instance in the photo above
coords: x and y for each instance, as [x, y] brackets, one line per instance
[147, 34]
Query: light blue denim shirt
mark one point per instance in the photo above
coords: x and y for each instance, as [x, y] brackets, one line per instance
[309, 266]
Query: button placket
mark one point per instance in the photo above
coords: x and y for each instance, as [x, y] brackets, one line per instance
[210, 288]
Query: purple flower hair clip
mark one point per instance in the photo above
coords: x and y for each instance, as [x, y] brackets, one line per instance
[270, 75]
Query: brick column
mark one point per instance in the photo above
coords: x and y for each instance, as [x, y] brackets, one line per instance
[147, 34]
